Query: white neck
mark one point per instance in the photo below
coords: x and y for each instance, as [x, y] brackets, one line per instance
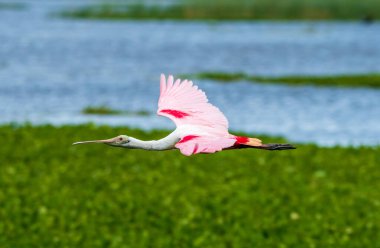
[166, 143]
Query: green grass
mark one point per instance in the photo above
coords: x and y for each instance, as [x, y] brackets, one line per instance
[53, 194]
[236, 10]
[104, 110]
[359, 80]
[100, 110]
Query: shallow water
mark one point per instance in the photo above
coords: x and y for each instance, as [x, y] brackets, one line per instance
[51, 68]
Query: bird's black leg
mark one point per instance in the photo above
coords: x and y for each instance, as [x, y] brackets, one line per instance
[275, 147]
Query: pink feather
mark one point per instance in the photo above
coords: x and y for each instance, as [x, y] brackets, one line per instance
[188, 107]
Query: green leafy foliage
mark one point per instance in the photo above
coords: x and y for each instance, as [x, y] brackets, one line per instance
[53, 194]
[235, 10]
[360, 80]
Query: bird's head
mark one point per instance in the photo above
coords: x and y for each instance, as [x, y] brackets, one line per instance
[117, 141]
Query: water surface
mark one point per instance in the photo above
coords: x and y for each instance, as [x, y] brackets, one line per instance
[51, 68]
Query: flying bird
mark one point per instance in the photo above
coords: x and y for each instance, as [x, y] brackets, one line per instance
[201, 127]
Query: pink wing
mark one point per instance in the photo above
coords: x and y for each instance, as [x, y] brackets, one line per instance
[193, 144]
[185, 104]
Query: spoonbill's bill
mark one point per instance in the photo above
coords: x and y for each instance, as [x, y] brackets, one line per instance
[201, 127]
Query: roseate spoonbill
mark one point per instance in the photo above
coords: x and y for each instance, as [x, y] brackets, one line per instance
[201, 127]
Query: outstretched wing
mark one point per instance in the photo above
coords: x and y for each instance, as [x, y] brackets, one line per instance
[184, 103]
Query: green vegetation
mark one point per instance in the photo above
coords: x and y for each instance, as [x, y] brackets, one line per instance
[139, 113]
[236, 10]
[104, 110]
[101, 110]
[364, 80]
[53, 194]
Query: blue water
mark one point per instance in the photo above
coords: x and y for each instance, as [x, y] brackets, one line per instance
[51, 68]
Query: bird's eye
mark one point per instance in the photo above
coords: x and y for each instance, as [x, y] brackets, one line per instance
[120, 138]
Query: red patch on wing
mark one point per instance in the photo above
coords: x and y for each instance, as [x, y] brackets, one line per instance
[195, 149]
[187, 138]
[175, 113]
[241, 139]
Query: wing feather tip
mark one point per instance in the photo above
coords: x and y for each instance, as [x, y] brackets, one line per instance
[162, 78]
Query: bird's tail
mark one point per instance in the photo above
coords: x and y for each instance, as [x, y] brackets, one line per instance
[246, 142]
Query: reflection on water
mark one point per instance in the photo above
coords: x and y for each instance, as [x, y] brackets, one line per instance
[51, 68]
